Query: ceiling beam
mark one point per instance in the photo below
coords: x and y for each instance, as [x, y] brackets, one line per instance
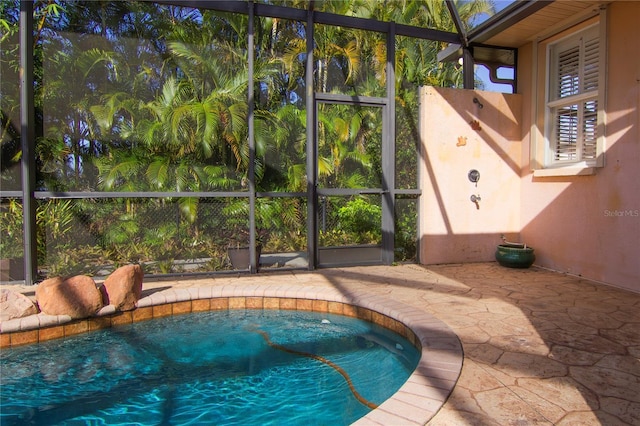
[457, 22]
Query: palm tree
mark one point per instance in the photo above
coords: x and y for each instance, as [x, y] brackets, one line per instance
[158, 94]
[345, 141]
[192, 136]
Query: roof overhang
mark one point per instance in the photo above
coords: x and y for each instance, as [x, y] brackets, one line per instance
[507, 18]
[496, 41]
[493, 56]
[483, 54]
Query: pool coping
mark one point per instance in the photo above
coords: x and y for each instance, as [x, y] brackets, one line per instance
[417, 400]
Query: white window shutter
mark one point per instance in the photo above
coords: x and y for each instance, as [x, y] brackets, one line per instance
[590, 130]
[566, 133]
[568, 77]
[573, 98]
[591, 65]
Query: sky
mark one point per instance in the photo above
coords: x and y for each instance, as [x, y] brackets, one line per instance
[482, 72]
[497, 4]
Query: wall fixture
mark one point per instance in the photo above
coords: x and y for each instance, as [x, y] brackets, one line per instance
[474, 176]
[475, 199]
[476, 101]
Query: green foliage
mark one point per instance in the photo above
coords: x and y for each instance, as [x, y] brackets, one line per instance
[70, 260]
[143, 97]
[360, 217]
[406, 233]
[281, 224]
[335, 237]
[11, 246]
[55, 218]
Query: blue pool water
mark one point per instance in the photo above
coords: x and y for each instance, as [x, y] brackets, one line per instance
[208, 368]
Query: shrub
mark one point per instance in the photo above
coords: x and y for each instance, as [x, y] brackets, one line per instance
[359, 216]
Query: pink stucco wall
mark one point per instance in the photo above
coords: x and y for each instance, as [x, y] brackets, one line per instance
[583, 225]
[590, 225]
[453, 228]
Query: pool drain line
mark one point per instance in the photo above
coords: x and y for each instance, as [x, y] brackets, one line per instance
[331, 364]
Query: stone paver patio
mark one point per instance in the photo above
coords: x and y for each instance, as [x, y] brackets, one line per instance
[540, 348]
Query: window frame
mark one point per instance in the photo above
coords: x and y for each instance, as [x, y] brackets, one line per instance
[547, 164]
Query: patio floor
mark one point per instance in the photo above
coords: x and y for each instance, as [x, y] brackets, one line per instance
[540, 348]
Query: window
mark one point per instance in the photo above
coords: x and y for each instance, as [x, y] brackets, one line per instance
[574, 100]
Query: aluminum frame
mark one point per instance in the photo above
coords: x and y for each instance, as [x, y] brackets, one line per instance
[29, 195]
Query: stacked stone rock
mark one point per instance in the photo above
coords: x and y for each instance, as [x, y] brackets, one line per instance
[78, 296]
[15, 305]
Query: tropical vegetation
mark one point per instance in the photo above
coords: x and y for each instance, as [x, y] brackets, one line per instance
[145, 98]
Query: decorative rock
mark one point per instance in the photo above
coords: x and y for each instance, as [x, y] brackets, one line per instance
[123, 287]
[77, 297]
[15, 305]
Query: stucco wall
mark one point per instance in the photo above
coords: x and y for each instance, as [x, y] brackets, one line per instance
[584, 225]
[452, 228]
[590, 225]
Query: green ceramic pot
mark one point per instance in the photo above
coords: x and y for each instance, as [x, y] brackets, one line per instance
[515, 257]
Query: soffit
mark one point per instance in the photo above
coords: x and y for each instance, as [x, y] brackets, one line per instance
[526, 29]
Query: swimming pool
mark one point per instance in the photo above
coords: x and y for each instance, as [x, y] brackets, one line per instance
[220, 367]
